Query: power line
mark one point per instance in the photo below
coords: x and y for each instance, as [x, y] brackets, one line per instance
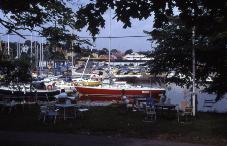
[117, 37]
[26, 35]
[90, 37]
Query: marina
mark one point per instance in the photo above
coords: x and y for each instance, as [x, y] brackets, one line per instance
[113, 72]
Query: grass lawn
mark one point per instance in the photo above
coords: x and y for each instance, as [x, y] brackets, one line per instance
[208, 128]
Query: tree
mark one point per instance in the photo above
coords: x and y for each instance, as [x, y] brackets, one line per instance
[26, 14]
[130, 51]
[173, 51]
[114, 51]
[104, 51]
[146, 53]
[139, 9]
[16, 70]
[52, 19]
[175, 54]
[85, 52]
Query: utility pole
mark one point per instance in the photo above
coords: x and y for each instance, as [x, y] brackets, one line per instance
[194, 104]
[193, 72]
[0, 43]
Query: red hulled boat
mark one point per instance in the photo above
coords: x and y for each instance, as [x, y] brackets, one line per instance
[111, 92]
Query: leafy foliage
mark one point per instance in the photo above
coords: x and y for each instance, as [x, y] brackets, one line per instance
[104, 51]
[130, 51]
[53, 19]
[173, 52]
[16, 70]
[173, 37]
[28, 14]
[173, 23]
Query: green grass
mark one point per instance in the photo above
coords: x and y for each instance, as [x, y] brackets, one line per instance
[115, 120]
[19, 143]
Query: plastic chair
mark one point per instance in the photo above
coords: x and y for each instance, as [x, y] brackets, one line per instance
[61, 100]
[67, 101]
[184, 111]
[150, 114]
[48, 112]
[81, 111]
[10, 105]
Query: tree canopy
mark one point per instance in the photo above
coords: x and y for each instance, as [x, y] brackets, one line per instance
[130, 51]
[53, 19]
[103, 51]
[173, 23]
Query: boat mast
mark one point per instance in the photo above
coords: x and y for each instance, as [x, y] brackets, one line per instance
[8, 44]
[72, 55]
[72, 49]
[19, 48]
[41, 56]
[42, 53]
[17, 56]
[92, 47]
[0, 43]
[31, 46]
[35, 40]
[110, 33]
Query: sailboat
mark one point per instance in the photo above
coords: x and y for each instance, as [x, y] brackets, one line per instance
[116, 90]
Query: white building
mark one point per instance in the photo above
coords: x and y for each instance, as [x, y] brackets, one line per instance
[135, 56]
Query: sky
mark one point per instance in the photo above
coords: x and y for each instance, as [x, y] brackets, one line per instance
[117, 30]
[123, 44]
[137, 28]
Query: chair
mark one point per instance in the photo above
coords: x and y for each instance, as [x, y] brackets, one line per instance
[48, 112]
[150, 113]
[70, 111]
[9, 105]
[208, 103]
[43, 100]
[61, 100]
[81, 111]
[67, 101]
[184, 112]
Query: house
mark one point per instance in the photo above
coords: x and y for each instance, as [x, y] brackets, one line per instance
[106, 57]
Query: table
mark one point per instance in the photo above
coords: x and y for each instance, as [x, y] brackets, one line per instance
[17, 100]
[69, 97]
[65, 107]
[164, 106]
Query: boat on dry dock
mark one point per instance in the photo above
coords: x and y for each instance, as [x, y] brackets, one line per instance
[116, 91]
[26, 90]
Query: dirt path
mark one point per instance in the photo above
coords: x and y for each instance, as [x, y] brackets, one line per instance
[37, 139]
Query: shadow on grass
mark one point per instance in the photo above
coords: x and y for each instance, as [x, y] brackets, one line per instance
[115, 120]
